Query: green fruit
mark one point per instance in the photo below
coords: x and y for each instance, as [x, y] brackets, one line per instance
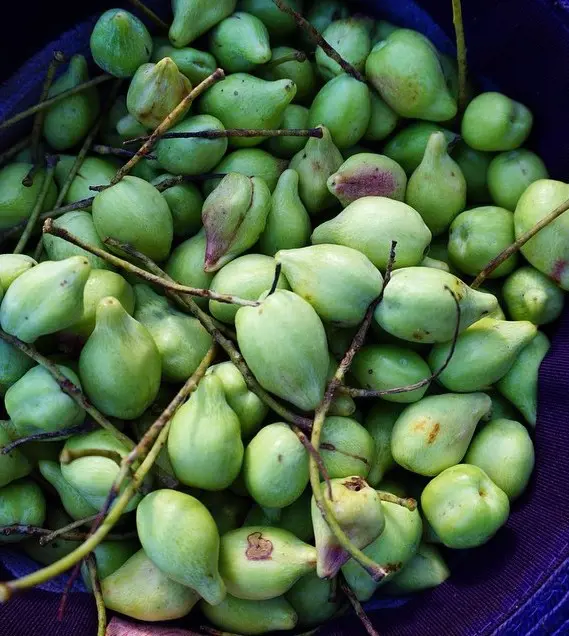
[464, 506]
[301, 73]
[21, 503]
[382, 30]
[16, 200]
[180, 536]
[13, 365]
[494, 122]
[185, 202]
[357, 509]
[193, 18]
[379, 423]
[133, 211]
[258, 563]
[474, 165]
[406, 71]
[371, 224]
[275, 466]
[437, 188]
[339, 282]
[501, 407]
[45, 299]
[249, 408]
[313, 600]
[196, 65]
[504, 451]
[227, 509]
[181, 340]
[288, 224]
[343, 106]
[436, 264]
[154, 92]
[351, 40]
[368, 174]
[141, 590]
[547, 251]
[297, 518]
[426, 570]
[245, 101]
[73, 502]
[93, 171]
[284, 344]
[204, 444]
[434, 434]
[346, 448]
[13, 465]
[418, 306]
[478, 235]
[240, 43]
[530, 295]
[381, 367]
[120, 43]
[320, 14]
[383, 119]
[109, 557]
[12, 266]
[342, 405]
[120, 364]
[128, 128]
[194, 155]
[510, 173]
[484, 353]
[295, 116]
[247, 277]
[319, 159]
[277, 22]
[519, 385]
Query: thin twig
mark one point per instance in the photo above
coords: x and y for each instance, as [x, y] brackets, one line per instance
[67, 590]
[168, 122]
[34, 531]
[316, 37]
[47, 436]
[316, 456]
[98, 594]
[150, 15]
[33, 218]
[102, 149]
[14, 150]
[405, 502]
[276, 277]
[293, 56]
[54, 100]
[520, 242]
[235, 132]
[358, 609]
[460, 54]
[172, 181]
[48, 538]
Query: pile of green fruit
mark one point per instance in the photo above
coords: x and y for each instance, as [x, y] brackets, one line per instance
[385, 205]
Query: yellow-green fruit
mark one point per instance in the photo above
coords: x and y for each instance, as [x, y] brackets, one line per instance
[252, 162]
[426, 570]
[346, 447]
[350, 38]
[13, 465]
[185, 202]
[12, 266]
[379, 423]
[313, 600]
[13, 365]
[109, 557]
[192, 18]
[93, 171]
[21, 503]
[196, 65]
[73, 502]
[530, 295]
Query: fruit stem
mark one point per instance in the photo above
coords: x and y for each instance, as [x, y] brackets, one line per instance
[276, 277]
[34, 531]
[460, 54]
[47, 436]
[235, 132]
[48, 538]
[150, 15]
[406, 502]
[293, 56]
[98, 594]
[358, 609]
[102, 149]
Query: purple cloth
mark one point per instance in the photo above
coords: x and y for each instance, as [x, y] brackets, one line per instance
[519, 582]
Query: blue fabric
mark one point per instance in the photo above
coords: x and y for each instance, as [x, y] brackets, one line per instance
[519, 582]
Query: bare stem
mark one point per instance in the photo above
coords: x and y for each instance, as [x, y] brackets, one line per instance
[276, 277]
[97, 593]
[460, 54]
[316, 37]
[34, 531]
[406, 502]
[358, 609]
[44, 437]
[48, 538]
[172, 181]
[293, 56]
[102, 149]
[235, 132]
[150, 15]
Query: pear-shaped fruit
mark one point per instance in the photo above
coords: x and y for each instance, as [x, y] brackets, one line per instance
[319, 159]
[346, 447]
[417, 305]
[284, 343]
[383, 119]
[464, 506]
[322, 13]
[154, 92]
[379, 423]
[297, 518]
[433, 262]
[16, 200]
[109, 557]
[434, 433]
[357, 508]
[519, 385]
[313, 600]
[277, 22]
[13, 365]
[478, 235]
[426, 570]
[249, 408]
[120, 364]
[474, 165]
[393, 549]
[93, 171]
[343, 105]
[381, 367]
[120, 43]
[251, 617]
[194, 155]
[259, 563]
[245, 101]
[295, 116]
[504, 451]
[68, 121]
[227, 509]
[493, 121]
[146, 169]
[75, 505]
[351, 40]
[368, 174]
[192, 18]
[205, 444]
[13, 465]
[240, 43]
[45, 299]
[247, 277]
[37, 404]
[134, 211]
[339, 282]
[12, 266]
[196, 65]
[185, 202]
[547, 251]
[288, 224]
[301, 73]
[437, 188]
[510, 173]
[180, 536]
[141, 590]
[530, 295]
[56, 549]
[234, 216]
[23, 503]
[406, 71]
[371, 224]
[275, 466]
[484, 353]
[252, 162]
[181, 340]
